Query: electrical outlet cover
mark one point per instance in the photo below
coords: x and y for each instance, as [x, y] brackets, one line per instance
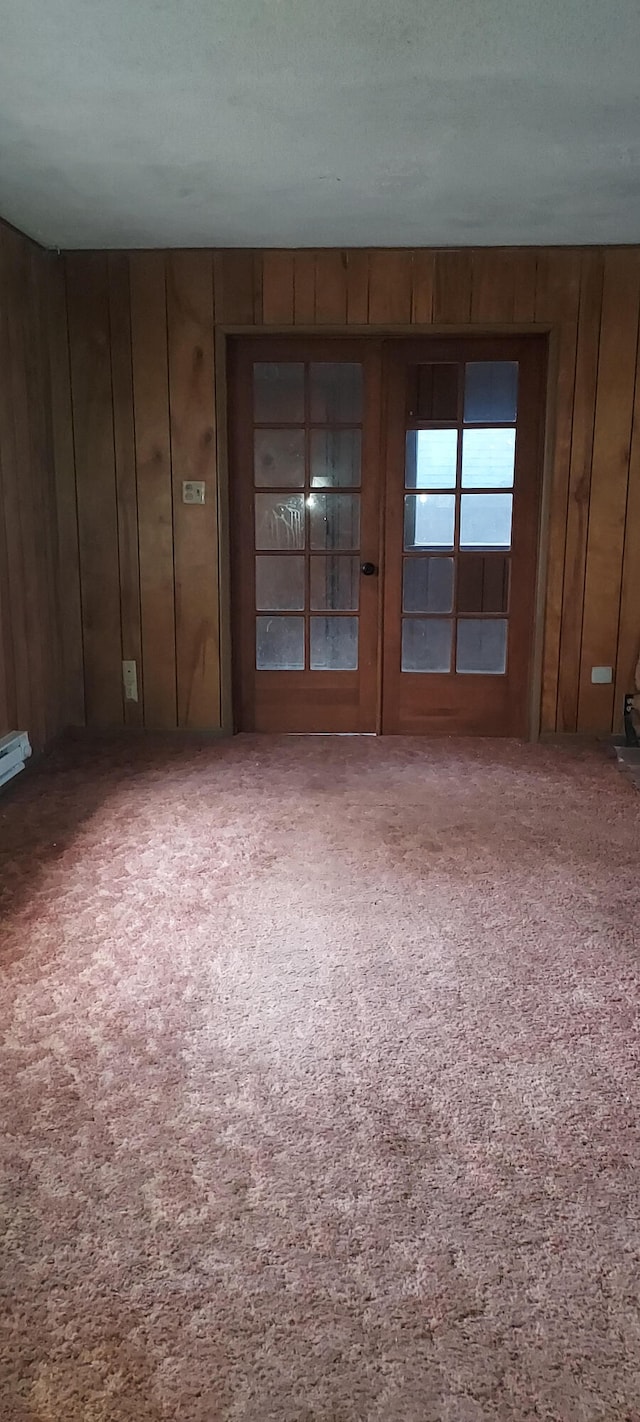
[193, 491]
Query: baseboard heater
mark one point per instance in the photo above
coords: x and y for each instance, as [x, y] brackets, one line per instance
[14, 750]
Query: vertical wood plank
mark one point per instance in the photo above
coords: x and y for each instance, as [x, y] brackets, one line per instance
[609, 478]
[88, 306]
[525, 271]
[43, 517]
[191, 389]
[579, 487]
[557, 301]
[155, 501]
[29, 494]
[331, 288]
[452, 288]
[8, 710]
[423, 280]
[628, 651]
[304, 288]
[17, 691]
[390, 277]
[492, 286]
[69, 592]
[125, 469]
[234, 281]
[277, 288]
[357, 288]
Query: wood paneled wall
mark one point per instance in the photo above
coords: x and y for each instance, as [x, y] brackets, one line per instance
[31, 680]
[141, 569]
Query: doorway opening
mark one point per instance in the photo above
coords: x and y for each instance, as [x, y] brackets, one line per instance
[385, 512]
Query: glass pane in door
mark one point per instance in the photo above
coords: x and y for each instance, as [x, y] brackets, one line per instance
[307, 467]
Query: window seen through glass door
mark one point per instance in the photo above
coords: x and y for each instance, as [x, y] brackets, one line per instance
[458, 511]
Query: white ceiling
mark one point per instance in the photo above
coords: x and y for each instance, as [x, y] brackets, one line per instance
[320, 122]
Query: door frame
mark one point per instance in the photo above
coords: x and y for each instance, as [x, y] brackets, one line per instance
[225, 334]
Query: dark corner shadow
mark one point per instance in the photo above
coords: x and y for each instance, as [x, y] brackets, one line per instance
[42, 810]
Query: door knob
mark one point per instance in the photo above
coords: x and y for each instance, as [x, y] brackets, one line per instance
[368, 569]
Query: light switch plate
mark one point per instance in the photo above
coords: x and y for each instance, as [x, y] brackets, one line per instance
[193, 491]
[602, 676]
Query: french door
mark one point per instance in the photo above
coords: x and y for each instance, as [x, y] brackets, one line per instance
[305, 514]
[462, 513]
[384, 513]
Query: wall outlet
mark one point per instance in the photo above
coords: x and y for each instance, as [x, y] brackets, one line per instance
[193, 491]
[130, 681]
[602, 676]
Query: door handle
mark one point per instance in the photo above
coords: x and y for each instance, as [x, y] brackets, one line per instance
[368, 569]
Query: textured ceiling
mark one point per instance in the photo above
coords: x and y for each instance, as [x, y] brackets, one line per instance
[337, 122]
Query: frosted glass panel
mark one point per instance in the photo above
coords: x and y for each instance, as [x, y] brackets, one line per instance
[490, 391]
[488, 459]
[335, 520]
[429, 520]
[280, 583]
[427, 585]
[278, 392]
[335, 584]
[431, 457]
[335, 458]
[278, 458]
[334, 643]
[426, 644]
[336, 392]
[280, 521]
[482, 645]
[280, 643]
[485, 520]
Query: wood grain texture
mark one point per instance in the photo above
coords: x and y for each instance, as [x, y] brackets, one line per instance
[628, 651]
[452, 288]
[422, 288]
[70, 600]
[493, 287]
[22, 380]
[609, 483]
[304, 288]
[17, 678]
[331, 288]
[357, 288]
[42, 479]
[592, 543]
[525, 271]
[579, 489]
[155, 493]
[195, 529]
[557, 304]
[390, 279]
[126, 483]
[235, 288]
[89, 336]
[277, 289]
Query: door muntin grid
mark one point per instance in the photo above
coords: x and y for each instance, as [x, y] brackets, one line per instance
[307, 436]
[460, 460]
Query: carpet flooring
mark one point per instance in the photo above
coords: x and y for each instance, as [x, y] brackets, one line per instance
[319, 1072]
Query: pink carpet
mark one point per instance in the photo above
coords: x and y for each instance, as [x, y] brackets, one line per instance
[320, 1083]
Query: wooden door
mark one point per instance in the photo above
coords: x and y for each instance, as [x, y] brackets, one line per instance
[462, 513]
[305, 519]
